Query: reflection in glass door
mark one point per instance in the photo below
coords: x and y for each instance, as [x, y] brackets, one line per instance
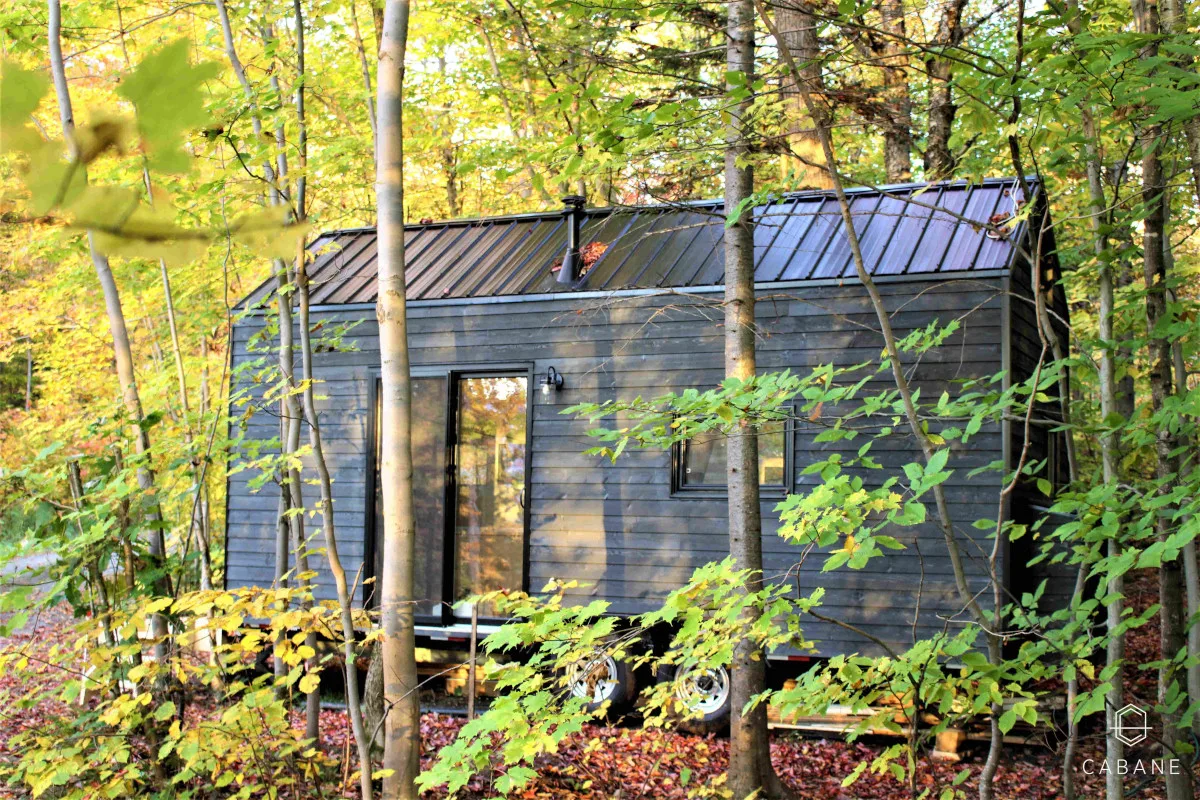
[489, 508]
[429, 491]
[429, 407]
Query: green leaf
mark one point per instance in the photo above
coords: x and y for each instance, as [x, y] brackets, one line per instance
[974, 425]
[856, 774]
[164, 711]
[168, 93]
[937, 461]
[22, 91]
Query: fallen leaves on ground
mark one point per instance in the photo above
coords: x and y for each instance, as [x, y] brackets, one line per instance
[631, 763]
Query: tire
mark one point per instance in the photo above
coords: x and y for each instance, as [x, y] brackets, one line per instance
[708, 691]
[264, 660]
[603, 679]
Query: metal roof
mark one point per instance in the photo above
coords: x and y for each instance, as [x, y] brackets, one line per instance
[904, 230]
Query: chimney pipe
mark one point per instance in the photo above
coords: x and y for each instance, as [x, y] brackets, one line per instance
[568, 273]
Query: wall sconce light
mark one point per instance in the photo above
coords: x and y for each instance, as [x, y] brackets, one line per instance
[553, 382]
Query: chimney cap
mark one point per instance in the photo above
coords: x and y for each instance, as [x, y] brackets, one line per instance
[574, 201]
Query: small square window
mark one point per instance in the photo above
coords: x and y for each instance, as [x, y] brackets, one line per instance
[699, 463]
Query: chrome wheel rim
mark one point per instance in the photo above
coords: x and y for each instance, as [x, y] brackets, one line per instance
[593, 679]
[702, 690]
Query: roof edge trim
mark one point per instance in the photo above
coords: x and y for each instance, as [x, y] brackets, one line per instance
[934, 277]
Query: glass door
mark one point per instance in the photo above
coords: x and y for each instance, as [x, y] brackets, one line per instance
[429, 408]
[489, 486]
[429, 454]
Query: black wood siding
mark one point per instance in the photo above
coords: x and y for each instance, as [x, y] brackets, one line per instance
[617, 525]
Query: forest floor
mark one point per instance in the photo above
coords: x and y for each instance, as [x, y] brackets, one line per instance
[637, 764]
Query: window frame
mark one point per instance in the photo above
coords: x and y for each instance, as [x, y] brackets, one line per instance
[452, 372]
[680, 489]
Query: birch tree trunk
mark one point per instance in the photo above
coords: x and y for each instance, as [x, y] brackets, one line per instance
[402, 729]
[750, 770]
[122, 353]
[289, 434]
[1109, 457]
[286, 279]
[1114, 784]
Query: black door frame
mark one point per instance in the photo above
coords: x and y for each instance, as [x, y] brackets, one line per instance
[452, 373]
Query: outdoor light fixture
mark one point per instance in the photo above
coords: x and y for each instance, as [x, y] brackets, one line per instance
[552, 382]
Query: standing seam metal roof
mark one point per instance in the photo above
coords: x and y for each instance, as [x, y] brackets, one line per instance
[905, 229]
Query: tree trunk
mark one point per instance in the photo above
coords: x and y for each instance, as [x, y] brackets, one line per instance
[1191, 570]
[345, 601]
[285, 279]
[1126, 386]
[1170, 576]
[750, 769]
[897, 134]
[325, 482]
[301, 200]
[1175, 23]
[28, 376]
[288, 413]
[402, 730]
[195, 531]
[282, 550]
[804, 164]
[1110, 459]
[449, 154]
[239, 71]
[292, 485]
[366, 70]
[374, 709]
[122, 355]
[939, 160]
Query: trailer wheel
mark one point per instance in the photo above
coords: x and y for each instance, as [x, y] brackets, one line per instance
[600, 679]
[264, 660]
[705, 693]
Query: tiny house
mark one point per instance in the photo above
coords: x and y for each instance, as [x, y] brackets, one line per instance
[514, 318]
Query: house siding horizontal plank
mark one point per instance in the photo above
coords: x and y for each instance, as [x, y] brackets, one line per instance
[617, 526]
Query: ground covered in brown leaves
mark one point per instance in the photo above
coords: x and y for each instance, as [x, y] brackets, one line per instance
[632, 764]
